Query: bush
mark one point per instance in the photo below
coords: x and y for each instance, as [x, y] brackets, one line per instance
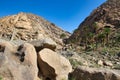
[72, 79]
[52, 24]
[62, 35]
[0, 78]
[75, 63]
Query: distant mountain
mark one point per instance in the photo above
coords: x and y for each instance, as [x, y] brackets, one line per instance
[26, 26]
[105, 16]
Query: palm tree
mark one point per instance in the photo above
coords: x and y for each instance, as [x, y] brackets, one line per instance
[90, 36]
[85, 37]
[107, 32]
[101, 38]
[91, 40]
[95, 27]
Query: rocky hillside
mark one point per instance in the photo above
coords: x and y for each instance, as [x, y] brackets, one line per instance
[104, 19]
[96, 42]
[26, 27]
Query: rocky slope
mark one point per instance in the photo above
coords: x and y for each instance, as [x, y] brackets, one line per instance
[96, 42]
[26, 27]
[97, 39]
[105, 16]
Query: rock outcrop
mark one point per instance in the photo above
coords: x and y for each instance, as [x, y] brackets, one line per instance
[53, 66]
[44, 43]
[85, 73]
[18, 64]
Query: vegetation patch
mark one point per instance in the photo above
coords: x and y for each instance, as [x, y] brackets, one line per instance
[75, 63]
[0, 78]
[63, 35]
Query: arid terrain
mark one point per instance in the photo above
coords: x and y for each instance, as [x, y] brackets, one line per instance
[32, 48]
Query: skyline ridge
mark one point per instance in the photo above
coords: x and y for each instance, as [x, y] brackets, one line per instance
[65, 14]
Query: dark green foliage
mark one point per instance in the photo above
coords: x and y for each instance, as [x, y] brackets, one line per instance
[52, 24]
[72, 78]
[62, 35]
[101, 37]
[75, 63]
[118, 38]
[95, 27]
[0, 78]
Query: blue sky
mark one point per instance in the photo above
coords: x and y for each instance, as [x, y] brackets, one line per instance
[67, 14]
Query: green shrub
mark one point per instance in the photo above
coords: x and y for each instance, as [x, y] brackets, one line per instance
[75, 63]
[72, 78]
[117, 66]
[0, 78]
[62, 35]
[52, 24]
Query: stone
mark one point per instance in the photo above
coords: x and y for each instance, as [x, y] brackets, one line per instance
[18, 63]
[67, 53]
[49, 43]
[22, 22]
[85, 63]
[40, 36]
[85, 73]
[107, 63]
[100, 62]
[43, 43]
[53, 66]
[23, 25]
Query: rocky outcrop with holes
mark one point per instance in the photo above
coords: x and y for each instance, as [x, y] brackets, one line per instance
[18, 63]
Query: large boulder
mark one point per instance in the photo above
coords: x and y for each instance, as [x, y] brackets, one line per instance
[18, 63]
[22, 22]
[23, 25]
[44, 43]
[49, 43]
[85, 73]
[53, 66]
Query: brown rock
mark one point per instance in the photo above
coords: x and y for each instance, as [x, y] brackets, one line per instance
[44, 43]
[49, 43]
[23, 25]
[100, 62]
[53, 66]
[107, 63]
[18, 64]
[85, 73]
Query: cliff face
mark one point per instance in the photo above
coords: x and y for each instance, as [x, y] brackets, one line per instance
[27, 27]
[107, 15]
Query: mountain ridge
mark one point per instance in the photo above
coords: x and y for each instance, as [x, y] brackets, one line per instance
[107, 15]
[27, 26]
